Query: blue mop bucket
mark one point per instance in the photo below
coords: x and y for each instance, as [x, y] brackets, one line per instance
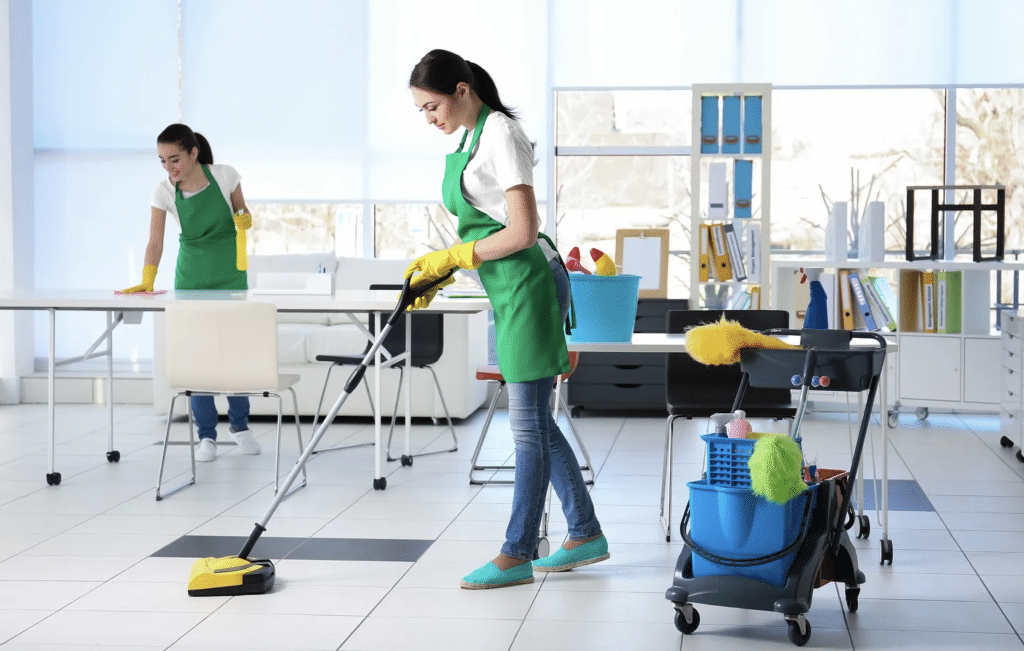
[605, 307]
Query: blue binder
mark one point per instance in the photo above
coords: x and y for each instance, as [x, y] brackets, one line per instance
[709, 124]
[862, 302]
[752, 124]
[743, 177]
[731, 124]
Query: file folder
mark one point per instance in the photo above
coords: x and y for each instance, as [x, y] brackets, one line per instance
[909, 300]
[731, 124]
[947, 301]
[845, 300]
[752, 244]
[861, 302]
[709, 124]
[732, 243]
[752, 124]
[720, 253]
[883, 317]
[755, 297]
[744, 192]
[705, 246]
[928, 300]
[888, 300]
[718, 191]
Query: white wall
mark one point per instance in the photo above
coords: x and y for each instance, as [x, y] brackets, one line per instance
[15, 190]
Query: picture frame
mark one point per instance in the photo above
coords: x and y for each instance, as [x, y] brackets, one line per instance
[644, 252]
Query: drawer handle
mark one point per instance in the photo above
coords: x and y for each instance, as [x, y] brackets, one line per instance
[629, 386]
[628, 367]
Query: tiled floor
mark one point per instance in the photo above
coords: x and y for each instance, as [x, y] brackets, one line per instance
[78, 571]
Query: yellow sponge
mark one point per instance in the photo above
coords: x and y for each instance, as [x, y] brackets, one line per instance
[721, 342]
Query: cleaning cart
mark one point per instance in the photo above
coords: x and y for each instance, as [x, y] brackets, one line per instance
[742, 551]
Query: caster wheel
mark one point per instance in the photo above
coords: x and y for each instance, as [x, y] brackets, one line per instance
[687, 626]
[1020, 457]
[53, 478]
[113, 456]
[795, 636]
[851, 598]
[406, 460]
[894, 420]
[886, 551]
[576, 412]
[921, 413]
[1005, 442]
[380, 483]
[543, 549]
[864, 529]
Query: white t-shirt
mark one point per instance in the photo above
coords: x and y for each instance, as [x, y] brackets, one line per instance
[226, 177]
[503, 158]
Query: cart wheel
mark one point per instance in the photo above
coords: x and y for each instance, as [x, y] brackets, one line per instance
[543, 549]
[53, 478]
[795, 636]
[886, 547]
[921, 413]
[894, 419]
[1005, 442]
[406, 460]
[113, 456]
[576, 411]
[684, 626]
[851, 598]
[380, 483]
[864, 523]
[1020, 457]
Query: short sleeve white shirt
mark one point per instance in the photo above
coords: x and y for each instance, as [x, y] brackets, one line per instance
[226, 177]
[503, 159]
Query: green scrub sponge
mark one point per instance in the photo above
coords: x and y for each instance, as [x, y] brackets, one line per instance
[776, 468]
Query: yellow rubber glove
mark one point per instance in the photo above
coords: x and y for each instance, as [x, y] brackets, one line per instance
[436, 264]
[148, 278]
[243, 221]
[423, 301]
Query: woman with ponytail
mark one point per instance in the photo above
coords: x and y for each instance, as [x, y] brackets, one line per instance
[489, 187]
[207, 201]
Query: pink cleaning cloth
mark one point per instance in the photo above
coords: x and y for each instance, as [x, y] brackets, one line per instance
[118, 292]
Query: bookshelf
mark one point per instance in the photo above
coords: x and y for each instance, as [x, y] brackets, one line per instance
[744, 197]
[945, 371]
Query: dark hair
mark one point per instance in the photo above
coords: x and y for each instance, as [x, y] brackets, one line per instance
[187, 139]
[440, 71]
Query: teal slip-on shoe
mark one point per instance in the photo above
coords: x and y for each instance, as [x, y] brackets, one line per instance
[593, 551]
[489, 576]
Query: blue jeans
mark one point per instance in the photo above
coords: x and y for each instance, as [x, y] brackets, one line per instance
[543, 455]
[204, 412]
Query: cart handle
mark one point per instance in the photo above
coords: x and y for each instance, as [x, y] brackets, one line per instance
[854, 334]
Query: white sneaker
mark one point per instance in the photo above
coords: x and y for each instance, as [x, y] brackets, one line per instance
[246, 443]
[207, 450]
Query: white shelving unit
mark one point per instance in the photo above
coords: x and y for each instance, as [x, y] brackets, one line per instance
[949, 372]
[761, 187]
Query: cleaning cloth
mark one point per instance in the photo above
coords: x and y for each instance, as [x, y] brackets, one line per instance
[776, 468]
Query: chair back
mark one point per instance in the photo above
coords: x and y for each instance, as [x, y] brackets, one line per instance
[427, 333]
[698, 390]
[222, 346]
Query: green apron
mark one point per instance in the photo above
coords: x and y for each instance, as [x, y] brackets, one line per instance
[527, 317]
[206, 253]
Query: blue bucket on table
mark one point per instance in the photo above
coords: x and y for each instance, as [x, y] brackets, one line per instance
[605, 307]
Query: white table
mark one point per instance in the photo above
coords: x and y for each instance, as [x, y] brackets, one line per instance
[129, 308]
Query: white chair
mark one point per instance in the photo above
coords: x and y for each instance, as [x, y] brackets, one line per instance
[224, 348]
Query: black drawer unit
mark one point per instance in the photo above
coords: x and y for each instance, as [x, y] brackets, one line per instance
[625, 381]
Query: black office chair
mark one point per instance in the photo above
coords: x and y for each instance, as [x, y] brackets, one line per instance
[694, 390]
[427, 348]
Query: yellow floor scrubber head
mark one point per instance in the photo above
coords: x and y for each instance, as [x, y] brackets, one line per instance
[229, 575]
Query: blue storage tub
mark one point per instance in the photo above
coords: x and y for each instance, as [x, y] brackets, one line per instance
[735, 527]
[605, 307]
[726, 459]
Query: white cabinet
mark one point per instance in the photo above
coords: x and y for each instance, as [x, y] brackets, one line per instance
[1011, 386]
[933, 373]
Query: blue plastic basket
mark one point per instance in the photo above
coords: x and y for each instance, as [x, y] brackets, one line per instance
[605, 307]
[726, 460]
[732, 530]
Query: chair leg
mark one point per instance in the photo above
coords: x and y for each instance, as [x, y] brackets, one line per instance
[563, 405]
[163, 454]
[480, 444]
[666, 480]
[447, 415]
[316, 418]
[277, 462]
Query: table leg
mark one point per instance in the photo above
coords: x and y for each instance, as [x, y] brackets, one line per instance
[52, 477]
[112, 454]
[379, 481]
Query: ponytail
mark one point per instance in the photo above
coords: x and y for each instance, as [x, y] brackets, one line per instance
[441, 71]
[187, 139]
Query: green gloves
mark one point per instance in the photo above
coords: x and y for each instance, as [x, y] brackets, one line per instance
[434, 265]
[148, 278]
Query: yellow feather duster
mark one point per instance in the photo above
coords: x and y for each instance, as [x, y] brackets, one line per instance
[721, 342]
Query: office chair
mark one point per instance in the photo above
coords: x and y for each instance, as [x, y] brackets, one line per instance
[427, 348]
[492, 374]
[224, 348]
[694, 390]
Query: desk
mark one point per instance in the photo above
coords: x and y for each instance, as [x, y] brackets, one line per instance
[128, 308]
[660, 342]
